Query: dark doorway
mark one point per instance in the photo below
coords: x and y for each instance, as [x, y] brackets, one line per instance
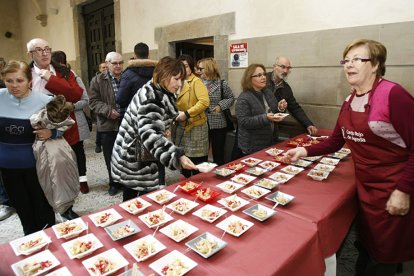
[100, 32]
[194, 49]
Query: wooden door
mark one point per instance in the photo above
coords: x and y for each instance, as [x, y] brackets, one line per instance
[197, 51]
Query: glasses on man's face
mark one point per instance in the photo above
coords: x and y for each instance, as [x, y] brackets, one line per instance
[284, 67]
[117, 63]
[354, 61]
[259, 75]
[40, 51]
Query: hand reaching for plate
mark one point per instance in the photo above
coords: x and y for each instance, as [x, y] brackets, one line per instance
[293, 155]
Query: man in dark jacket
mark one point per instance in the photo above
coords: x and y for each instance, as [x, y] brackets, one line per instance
[138, 73]
[284, 95]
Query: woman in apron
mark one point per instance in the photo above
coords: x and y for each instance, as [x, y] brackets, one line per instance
[375, 122]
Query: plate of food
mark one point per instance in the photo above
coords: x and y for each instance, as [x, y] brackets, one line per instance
[69, 229]
[189, 186]
[36, 264]
[82, 246]
[178, 230]
[174, 263]
[161, 196]
[233, 202]
[251, 161]
[243, 179]
[280, 198]
[30, 244]
[257, 171]
[329, 161]
[134, 271]
[324, 167]
[223, 172]
[209, 213]
[206, 194]
[63, 271]
[281, 177]
[105, 218]
[267, 183]
[235, 166]
[255, 192]
[122, 230]
[292, 169]
[318, 175]
[279, 158]
[135, 206]
[281, 115]
[182, 206]
[301, 163]
[311, 158]
[229, 186]
[260, 212]
[206, 166]
[274, 151]
[206, 245]
[105, 263]
[338, 155]
[235, 225]
[344, 151]
[144, 248]
[269, 165]
[155, 218]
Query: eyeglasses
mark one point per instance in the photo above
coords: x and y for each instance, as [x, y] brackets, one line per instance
[40, 51]
[259, 75]
[117, 63]
[284, 67]
[355, 61]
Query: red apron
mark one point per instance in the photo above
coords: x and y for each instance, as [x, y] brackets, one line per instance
[378, 166]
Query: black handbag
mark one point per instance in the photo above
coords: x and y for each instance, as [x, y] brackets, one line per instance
[142, 155]
[226, 112]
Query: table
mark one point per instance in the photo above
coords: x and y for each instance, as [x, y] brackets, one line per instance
[293, 242]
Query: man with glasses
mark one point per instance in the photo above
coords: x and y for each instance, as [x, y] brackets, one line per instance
[276, 82]
[102, 94]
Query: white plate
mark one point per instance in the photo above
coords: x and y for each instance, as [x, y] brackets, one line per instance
[311, 158]
[324, 167]
[338, 155]
[111, 213]
[174, 257]
[161, 196]
[281, 177]
[63, 271]
[318, 175]
[302, 163]
[111, 255]
[145, 218]
[269, 165]
[281, 115]
[206, 166]
[292, 169]
[274, 151]
[260, 212]
[267, 183]
[178, 230]
[72, 228]
[243, 179]
[330, 161]
[206, 244]
[257, 171]
[87, 238]
[143, 243]
[280, 198]
[135, 206]
[44, 256]
[255, 191]
[242, 225]
[251, 161]
[344, 151]
[40, 238]
[207, 209]
[229, 186]
[182, 206]
[122, 230]
[224, 172]
[233, 202]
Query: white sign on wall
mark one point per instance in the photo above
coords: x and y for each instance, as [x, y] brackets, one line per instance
[239, 57]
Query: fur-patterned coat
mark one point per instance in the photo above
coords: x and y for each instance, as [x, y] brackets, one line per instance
[148, 117]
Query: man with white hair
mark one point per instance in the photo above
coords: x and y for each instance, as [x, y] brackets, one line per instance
[102, 93]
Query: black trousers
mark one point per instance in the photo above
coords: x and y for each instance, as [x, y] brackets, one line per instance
[196, 160]
[28, 198]
[108, 141]
[217, 139]
[80, 157]
[367, 266]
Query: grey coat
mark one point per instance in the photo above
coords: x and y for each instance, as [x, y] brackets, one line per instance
[254, 129]
[83, 127]
[150, 113]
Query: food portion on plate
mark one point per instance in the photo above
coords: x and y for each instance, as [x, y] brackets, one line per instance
[257, 171]
[255, 191]
[155, 218]
[274, 151]
[82, 246]
[182, 206]
[105, 218]
[329, 161]
[260, 212]
[267, 183]
[269, 165]
[69, 229]
[224, 172]
[292, 169]
[174, 263]
[36, 264]
[206, 244]
[206, 166]
[189, 186]
[161, 196]
[243, 179]
[324, 167]
[318, 174]
[233, 202]
[105, 263]
[144, 248]
[229, 186]
[301, 163]
[281, 198]
[135, 206]
[209, 213]
[281, 177]
[251, 161]
[178, 230]
[206, 194]
[122, 230]
[31, 243]
[235, 225]
[303, 142]
[235, 166]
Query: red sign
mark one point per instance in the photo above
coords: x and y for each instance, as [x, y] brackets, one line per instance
[238, 48]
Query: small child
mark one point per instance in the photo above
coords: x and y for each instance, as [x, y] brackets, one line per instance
[55, 160]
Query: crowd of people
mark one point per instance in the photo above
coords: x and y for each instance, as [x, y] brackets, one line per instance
[170, 113]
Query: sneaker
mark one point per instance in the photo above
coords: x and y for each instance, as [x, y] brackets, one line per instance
[98, 149]
[84, 188]
[5, 212]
